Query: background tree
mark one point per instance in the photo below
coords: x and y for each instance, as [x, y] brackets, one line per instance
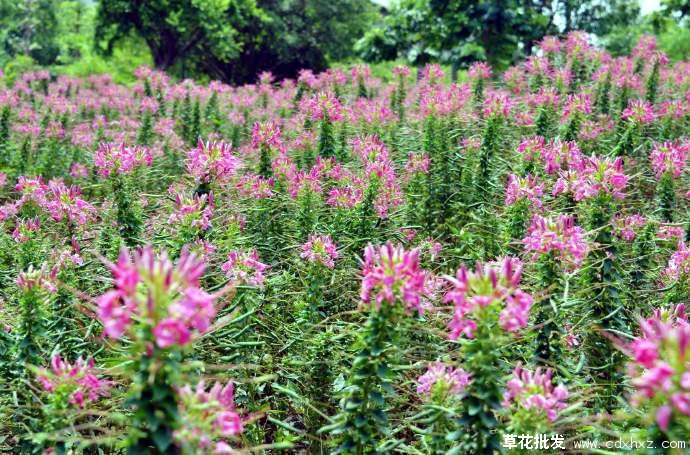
[28, 28]
[234, 40]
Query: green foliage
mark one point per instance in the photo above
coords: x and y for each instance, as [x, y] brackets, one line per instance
[29, 28]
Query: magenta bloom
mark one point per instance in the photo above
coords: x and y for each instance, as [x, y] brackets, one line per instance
[669, 157]
[493, 284]
[212, 162]
[152, 291]
[592, 177]
[678, 268]
[443, 378]
[79, 381]
[639, 111]
[209, 418]
[245, 268]
[658, 369]
[479, 70]
[170, 332]
[524, 188]
[561, 235]
[391, 274]
[320, 249]
[120, 159]
[535, 391]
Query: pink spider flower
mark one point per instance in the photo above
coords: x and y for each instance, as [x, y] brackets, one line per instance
[152, 292]
[120, 159]
[494, 283]
[24, 229]
[497, 104]
[595, 176]
[560, 235]
[320, 249]
[678, 268]
[210, 418]
[659, 369]
[323, 105]
[626, 227]
[245, 268]
[255, 186]
[479, 70]
[531, 147]
[417, 163]
[639, 111]
[267, 134]
[195, 211]
[580, 103]
[524, 188]
[443, 381]
[535, 392]
[391, 274]
[212, 162]
[66, 202]
[80, 381]
[669, 157]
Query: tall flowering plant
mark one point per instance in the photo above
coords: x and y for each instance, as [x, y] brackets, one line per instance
[668, 163]
[393, 284]
[117, 162]
[557, 245]
[210, 421]
[159, 307]
[533, 401]
[441, 388]
[660, 374]
[489, 306]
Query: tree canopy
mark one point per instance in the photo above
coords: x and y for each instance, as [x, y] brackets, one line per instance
[234, 40]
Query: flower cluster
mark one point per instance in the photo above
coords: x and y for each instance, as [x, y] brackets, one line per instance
[524, 188]
[79, 381]
[639, 112]
[678, 268]
[560, 235]
[659, 370]
[626, 227]
[320, 249]
[245, 268]
[489, 285]
[210, 418]
[669, 157]
[120, 159]
[212, 162]
[535, 391]
[392, 274]
[594, 176]
[195, 211]
[152, 293]
[441, 380]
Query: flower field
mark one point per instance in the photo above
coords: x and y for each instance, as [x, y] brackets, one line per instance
[345, 264]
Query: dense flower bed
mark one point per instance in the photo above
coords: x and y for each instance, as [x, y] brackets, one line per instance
[342, 263]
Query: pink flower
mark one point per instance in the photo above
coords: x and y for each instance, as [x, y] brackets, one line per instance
[154, 294]
[208, 417]
[535, 391]
[320, 249]
[493, 284]
[524, 188]
[245, 268]
[121, 159]
[479, 70]
[580, 103]
[669, 157]
[212, 162]
[171, 332]
[639, 111]
[79, 381]
[391, 274]
[561, 235]
[443, 378]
